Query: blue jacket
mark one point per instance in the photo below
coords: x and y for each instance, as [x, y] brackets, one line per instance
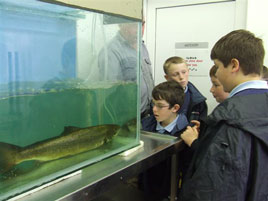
[197, 108]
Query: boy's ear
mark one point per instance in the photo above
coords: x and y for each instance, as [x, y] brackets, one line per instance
[167, 78]
[235, 65]
[176, 107]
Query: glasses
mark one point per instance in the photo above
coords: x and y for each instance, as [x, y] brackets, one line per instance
[159, 106]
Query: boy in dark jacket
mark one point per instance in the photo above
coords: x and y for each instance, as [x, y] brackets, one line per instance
[167, 100]
[231, 160]
[194, 106]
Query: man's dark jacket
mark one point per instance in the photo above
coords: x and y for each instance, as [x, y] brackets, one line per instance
[231, 162]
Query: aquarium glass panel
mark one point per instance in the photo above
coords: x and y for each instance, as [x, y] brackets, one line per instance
[69, 91]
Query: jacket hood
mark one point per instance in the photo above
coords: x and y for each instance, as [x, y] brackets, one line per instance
[247, 113]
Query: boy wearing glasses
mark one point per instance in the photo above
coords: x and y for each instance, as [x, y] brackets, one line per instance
[167, 100]
[194, 106]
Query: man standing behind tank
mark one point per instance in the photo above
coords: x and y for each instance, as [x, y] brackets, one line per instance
[118, 61]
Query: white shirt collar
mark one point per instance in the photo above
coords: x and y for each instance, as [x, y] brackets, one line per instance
[168, 128]
[186, 89]
[255, 84]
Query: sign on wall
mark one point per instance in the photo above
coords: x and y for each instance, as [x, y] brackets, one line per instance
[196, 55]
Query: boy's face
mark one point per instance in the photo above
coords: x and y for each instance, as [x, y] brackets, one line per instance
[217, 90]
[224, 75]
[179, 73]
[163, 113]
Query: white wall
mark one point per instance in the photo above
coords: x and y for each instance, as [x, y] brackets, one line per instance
[250, 14]
[257, 16]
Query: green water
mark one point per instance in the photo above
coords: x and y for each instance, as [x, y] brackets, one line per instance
[29, 118]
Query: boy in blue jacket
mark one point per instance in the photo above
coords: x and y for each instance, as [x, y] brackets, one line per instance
[166, 119]
[194, 106]
[167, 100]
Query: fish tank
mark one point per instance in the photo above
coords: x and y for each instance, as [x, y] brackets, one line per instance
[69, 91]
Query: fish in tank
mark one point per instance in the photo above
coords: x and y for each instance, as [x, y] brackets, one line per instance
[72, 141]
[58, 111]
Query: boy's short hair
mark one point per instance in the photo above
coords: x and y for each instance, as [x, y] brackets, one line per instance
[243, 46]
[172, 60]
[170, 91]
[213, 70]
[264, 73]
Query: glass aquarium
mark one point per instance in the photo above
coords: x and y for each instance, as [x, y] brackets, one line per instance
[69, 91]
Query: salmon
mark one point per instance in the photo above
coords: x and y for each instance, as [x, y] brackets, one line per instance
[72, 141]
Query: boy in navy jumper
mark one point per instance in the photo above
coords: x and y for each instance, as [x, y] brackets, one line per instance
[231, 160]
[194, 106]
